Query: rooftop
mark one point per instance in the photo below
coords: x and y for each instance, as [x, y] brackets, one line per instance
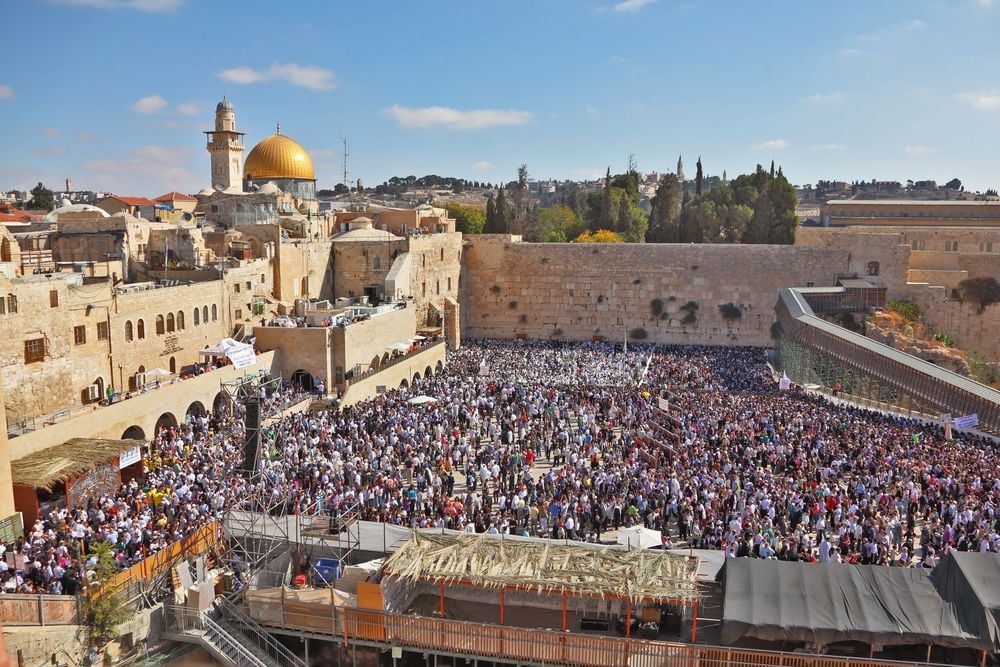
[910, 202]
[46, 468]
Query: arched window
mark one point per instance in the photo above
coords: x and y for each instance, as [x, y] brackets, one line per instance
[161, 327]
[128, 330]
[197, 316]
[215, 312]
[180, 320]
[5, 251]
[873, 268]
[173, 365]
[140, 330]
[204, 314]
[376, 263]
[170, 323]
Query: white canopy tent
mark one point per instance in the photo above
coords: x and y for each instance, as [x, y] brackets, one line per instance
[241, 354]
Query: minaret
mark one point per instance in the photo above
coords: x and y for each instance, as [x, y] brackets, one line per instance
[225, 145]
[680, 169]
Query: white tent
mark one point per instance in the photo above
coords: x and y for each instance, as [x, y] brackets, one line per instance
[421, 400]
[241, 354]
[638, 537]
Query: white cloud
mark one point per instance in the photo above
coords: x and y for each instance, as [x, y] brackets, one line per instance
[592, 111]
[824, 98]
[916, 151]
[147, 171]
[850, 53]
[989, 101]
[829, 147]
[51, 131]
[771, 145]
[915, 24]
[304, 76]
[632, 5]
[453, 119]
[139, 5]
[6, 92]
[322, 153]
[149, 104]
[188, 109]
[984, 3]
[50, 150]
[482, 165]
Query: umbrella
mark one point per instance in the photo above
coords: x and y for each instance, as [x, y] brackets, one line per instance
[421, 400]
[418, 338]
[402, 347]
[158, 373]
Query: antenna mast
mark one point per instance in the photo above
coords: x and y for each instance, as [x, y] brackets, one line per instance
[346, 154]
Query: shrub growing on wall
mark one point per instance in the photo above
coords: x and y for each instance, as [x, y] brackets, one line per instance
[638, 334]
[730, 311]
[656, 307]
[905, 309]
[984, 290]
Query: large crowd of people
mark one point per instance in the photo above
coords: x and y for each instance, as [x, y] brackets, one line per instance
[569, 442]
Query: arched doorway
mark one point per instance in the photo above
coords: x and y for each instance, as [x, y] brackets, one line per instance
[134, 433]
[438, 368]
[173, 366]
[416, 378]
[196, 409]
[385, 360]
[220, 403]
[166, 420]
[376, 363]
[99, 383]
[302, 378]
[403, 384]
[428, 372]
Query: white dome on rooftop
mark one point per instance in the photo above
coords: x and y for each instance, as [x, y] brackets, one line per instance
[269, 189]
[206, 192]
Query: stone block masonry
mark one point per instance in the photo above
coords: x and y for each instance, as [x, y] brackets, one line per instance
[648, 292]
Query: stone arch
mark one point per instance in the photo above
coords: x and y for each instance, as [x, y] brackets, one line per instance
[128, 330]
[100, 388]
[219, 402]
[377, 263]
[403, 384]
[428, 372]
[215, 312]
[196, 409]
[134, 433]
[161, 325]
[416, 378]
[385, 360]
[438, 367]
[166, 420]
[197, 316]
[180, 320]
[204, 314]
[5, 254]
[171, 323]
[873, 268]
[140, 330]
[376, 363]
[303, 378]
[173, 365]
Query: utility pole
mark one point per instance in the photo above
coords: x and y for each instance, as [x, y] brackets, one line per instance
[343, 140]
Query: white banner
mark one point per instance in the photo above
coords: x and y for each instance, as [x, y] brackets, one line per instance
[784, 383]
[663, 404]
[129, 456]
[242, 356]
[968, 421]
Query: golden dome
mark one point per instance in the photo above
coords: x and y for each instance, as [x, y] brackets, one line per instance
[278, 157]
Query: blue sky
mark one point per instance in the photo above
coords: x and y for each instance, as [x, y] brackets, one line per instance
[115, 93]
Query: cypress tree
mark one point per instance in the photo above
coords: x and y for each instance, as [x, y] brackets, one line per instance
[606, 221]
[699, 177]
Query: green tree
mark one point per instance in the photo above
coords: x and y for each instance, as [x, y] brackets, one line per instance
[600, 236]
[665, 210]
[606, 218]
[699, 177]
[42, 198]
[557, 224]
[504, 214]
[490, 226]
[468, 219]
[953, 184]
[104, 607]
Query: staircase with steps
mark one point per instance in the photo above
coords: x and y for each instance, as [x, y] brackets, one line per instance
[229, 635]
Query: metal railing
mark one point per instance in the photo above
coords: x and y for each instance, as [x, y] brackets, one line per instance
[260, 639]
[28, 609]
[191, 623]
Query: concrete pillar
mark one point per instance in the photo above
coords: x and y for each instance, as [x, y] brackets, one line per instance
[6, 483]
[452, 323]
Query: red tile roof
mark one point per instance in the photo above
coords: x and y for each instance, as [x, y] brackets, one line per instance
[133, 201]
[15, 215]
[175, 196]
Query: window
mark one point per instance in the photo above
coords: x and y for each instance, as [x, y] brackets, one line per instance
[161, 325]
[102, 331]
[449, 283]
[238, 314]
[204, 314]
[986, 246]
[53, 299]
[439, 287]
[34, 350]
[215, 208]
[249, 285]
[236, 288]
[11, 304]
[197, 316]
[140, 330]
[128, 330]
[215, 312]
[170, 323]
[3, 305]
[180, 320]
[377, 263]
[424, 289]
[80, 334]
[873, 268]
[442, 254]
[262, 280]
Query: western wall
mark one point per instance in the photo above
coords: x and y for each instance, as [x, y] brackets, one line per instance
[668, 293]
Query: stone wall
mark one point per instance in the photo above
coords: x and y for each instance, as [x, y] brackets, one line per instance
[430, 359]
[361, 264]
[583, 291]
[303, 270]
[435, 265]
[973, 331]
[304, 348]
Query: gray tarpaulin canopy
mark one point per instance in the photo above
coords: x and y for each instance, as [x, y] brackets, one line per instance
[971, 583]
[822, 604]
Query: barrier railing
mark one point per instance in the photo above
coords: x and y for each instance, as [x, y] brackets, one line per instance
[349, 624]
[21, 609]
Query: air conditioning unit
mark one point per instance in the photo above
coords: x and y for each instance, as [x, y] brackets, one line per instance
[139, 380]
[93, 392]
